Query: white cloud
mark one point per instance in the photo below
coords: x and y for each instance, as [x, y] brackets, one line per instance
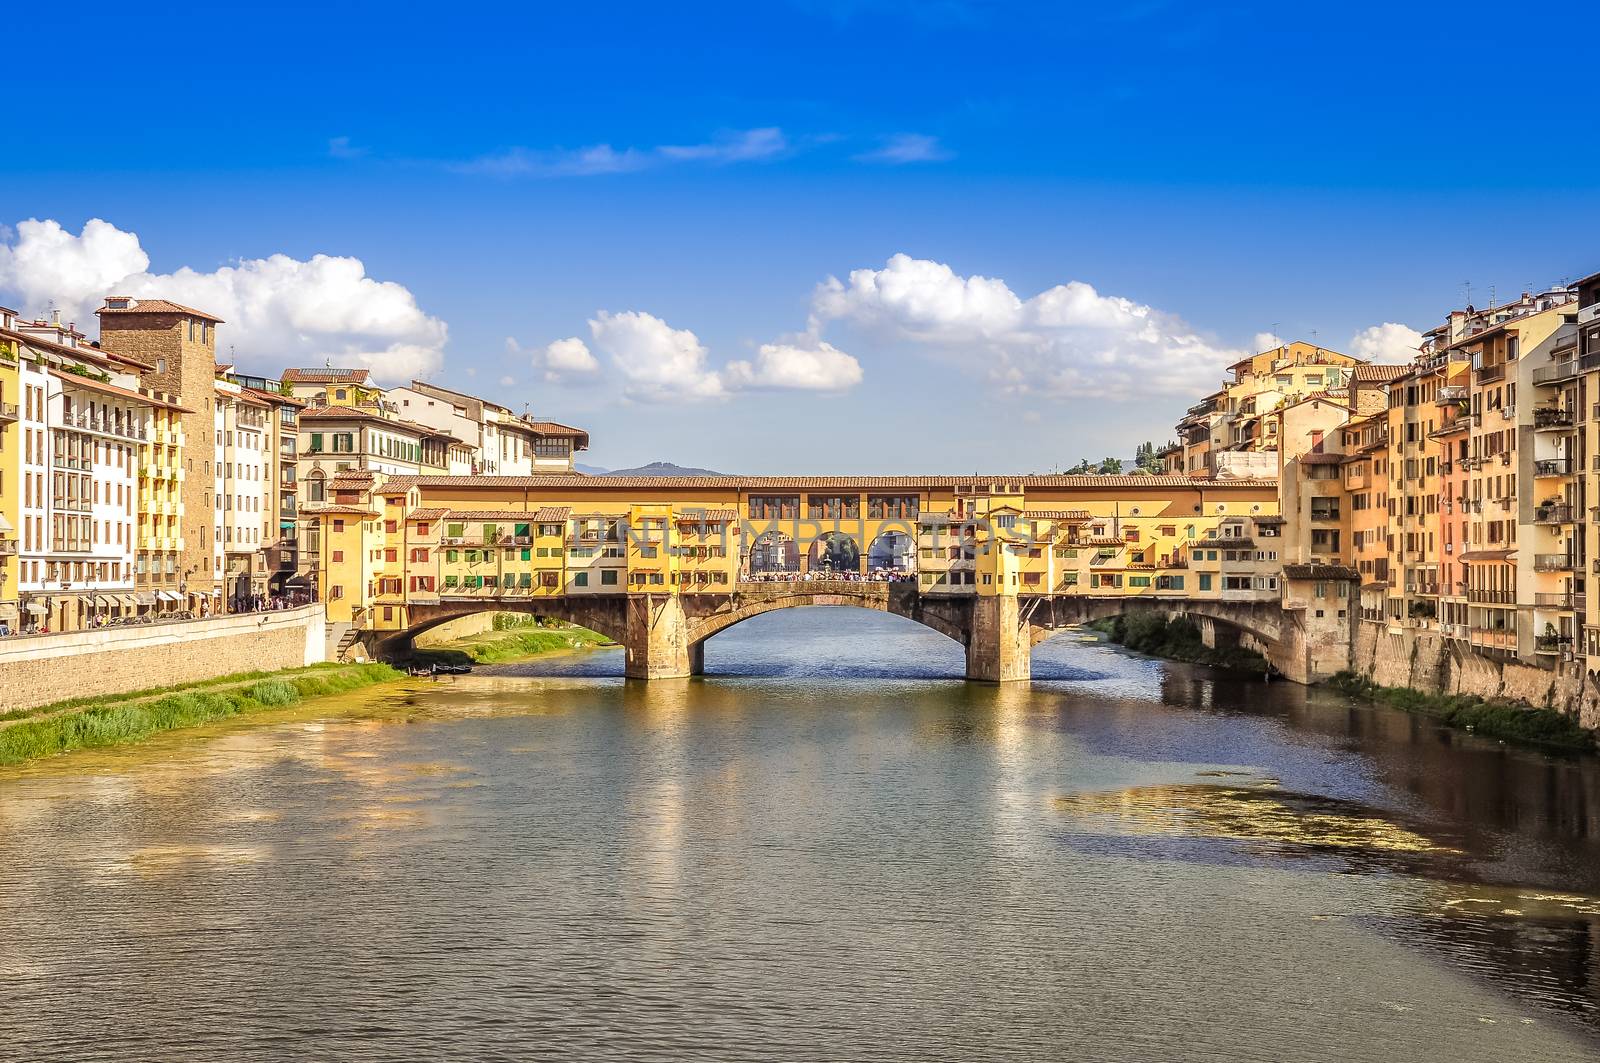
[562, 361]
[815, 366]
[905, 148]
[1066, 341]
[749, 145]
[278, 311]
[658, 363]
[1265, 341]
[508, 381]
[1388, 342]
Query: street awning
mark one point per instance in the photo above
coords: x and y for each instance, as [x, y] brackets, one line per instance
[146, 598]
[128, 601]
[36, 609]
[168, 596]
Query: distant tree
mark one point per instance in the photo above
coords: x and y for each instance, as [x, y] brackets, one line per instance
[1145, 459]
[1083, 468]
[1110, 466]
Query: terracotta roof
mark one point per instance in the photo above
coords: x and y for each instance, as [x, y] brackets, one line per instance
[336, 507]
[552, 428]
[1271, 518]
[1320, 459]
[1378, 374]
[325, 376]
[1103, 540]
[1488, 555]
[1067, 515]
[155, 306]
[111, 389]
[427, 514]
[281, 400]
[350, 413]
[577, 481]
[1340, 572]
[710, 516]
[526, 516]
[551, 514]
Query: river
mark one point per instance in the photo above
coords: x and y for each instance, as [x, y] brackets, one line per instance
[830, 848]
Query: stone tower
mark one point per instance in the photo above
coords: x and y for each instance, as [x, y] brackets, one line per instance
[181, 344]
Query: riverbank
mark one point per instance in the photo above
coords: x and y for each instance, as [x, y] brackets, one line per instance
[1176, 640]
[115, 719]
[1506, 720]
[512, 639]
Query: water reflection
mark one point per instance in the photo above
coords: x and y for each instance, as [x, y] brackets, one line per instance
[831, 847]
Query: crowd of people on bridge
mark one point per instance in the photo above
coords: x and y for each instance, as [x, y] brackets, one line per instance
[875, 575]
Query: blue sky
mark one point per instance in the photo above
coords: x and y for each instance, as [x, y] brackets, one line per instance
[667, 186]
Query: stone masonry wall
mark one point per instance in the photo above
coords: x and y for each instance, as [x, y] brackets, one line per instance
[42, 669]
[1424, 661]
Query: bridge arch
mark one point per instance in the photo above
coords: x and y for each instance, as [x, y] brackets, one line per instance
[834, 551]
[880, 597]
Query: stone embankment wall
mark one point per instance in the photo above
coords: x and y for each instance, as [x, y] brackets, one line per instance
[40, 669]
[1427, 662]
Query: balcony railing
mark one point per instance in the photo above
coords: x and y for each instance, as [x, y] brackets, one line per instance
[1552, 562]
[1552, 374]
[1560, 514]
[1546, 417]
[1553, 467]
[8, 412]
[1555, 600]
[1451, 394]
[1550, 643]
[1489, 373]
[1480, 596]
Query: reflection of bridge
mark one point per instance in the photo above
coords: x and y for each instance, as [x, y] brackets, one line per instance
[664, 635]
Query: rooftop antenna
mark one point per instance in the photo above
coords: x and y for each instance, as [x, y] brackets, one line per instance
[1468, 286]
[1491, 297]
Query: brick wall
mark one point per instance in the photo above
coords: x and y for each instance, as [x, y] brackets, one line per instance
[42, 669]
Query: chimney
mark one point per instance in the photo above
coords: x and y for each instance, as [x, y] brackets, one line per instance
[55, 316]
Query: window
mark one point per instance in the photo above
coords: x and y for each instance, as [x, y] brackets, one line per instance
[608, 577]
[338, 555]
[1324, 509]
[1205, 581]
[580, 579]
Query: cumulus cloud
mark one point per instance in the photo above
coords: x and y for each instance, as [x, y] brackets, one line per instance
[807, 365]
[278, 310]
[1069, 340]
[658, 363]
[342, 148]
[1388, 342]
[749, 145]
[903, 148]
[1265, 341]
[561, 361]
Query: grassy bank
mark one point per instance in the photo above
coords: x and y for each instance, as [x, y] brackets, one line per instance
[1506, 720]
[1176, 640]
[89, 723]
[513, 639]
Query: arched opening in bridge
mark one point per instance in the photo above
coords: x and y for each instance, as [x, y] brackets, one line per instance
[823, 643]
[835, 553]
[773, 553]
[893, 553]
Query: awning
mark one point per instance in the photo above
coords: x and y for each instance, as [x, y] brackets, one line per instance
[298, 577]
[146, 598]
[36, 609]
[92, 600]
[128, 601]
[5, 525]
[168, 596]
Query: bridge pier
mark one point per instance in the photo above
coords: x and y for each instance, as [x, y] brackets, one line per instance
[999, 644]
[657, 641]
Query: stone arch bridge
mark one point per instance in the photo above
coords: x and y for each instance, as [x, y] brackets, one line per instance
[664, 635]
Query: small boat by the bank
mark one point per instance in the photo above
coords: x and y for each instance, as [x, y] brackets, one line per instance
[423, 671]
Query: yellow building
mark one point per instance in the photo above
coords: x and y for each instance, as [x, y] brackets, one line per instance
[160, 542]
[10, 473]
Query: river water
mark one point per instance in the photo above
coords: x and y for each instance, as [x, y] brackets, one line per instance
[830, 848]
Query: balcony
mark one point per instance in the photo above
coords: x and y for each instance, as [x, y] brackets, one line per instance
[1555, 600]
[1589, 313]
[1552, 562]
[1551, 643]
[1553, 374]
[1553, 467]
[1481, 596]
[1552, 419]
[7, 547]
[1493, 638]
[1553, 514]
[1489, 373]
[1451, 395]
[8, 412]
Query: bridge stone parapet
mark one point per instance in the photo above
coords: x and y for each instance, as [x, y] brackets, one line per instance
[663, 635]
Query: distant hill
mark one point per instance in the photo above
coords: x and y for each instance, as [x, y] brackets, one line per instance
[589, 470]
[661, 468]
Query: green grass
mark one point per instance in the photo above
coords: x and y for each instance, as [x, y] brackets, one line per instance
[513, 642]
[1177, 640]
[108, 721]
[1535, 726]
